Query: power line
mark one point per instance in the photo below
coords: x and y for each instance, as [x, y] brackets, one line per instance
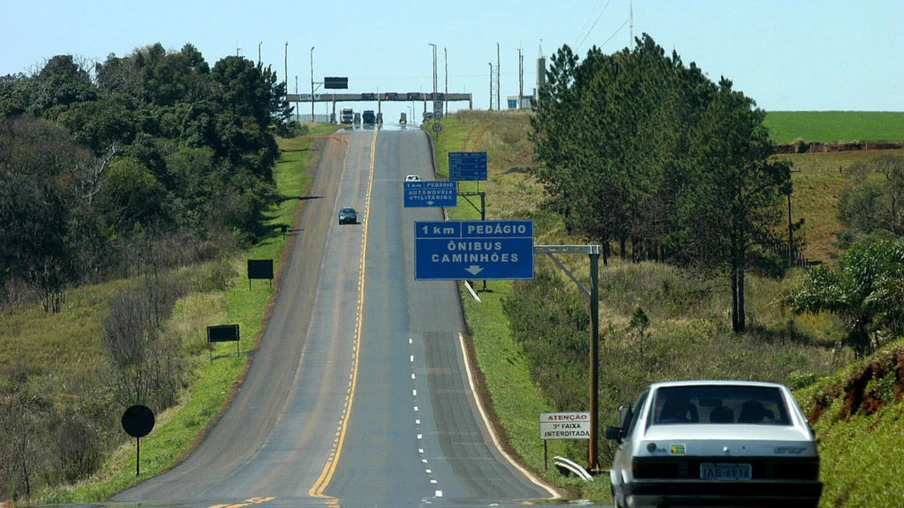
[615, 33]
[585, 27]
[600, 15]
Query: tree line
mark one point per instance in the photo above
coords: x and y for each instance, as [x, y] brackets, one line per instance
[642, 152]
[151, 145]
[649, 158]
[129, 169]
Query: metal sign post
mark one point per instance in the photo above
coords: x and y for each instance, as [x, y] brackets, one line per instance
[594, 252]
[138, 421]
[562, 426]
[223, 333]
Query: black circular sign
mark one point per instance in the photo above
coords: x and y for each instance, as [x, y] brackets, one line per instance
[138, 421]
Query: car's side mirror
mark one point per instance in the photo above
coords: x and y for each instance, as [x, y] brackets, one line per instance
[613, 433]
[624, 418]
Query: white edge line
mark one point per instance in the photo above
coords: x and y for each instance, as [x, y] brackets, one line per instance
[531, 476]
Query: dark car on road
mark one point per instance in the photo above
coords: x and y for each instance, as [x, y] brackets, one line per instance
[348, 215]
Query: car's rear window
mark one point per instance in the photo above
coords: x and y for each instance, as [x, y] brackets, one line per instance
[720, 404]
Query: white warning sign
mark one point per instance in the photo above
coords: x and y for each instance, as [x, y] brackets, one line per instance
[564, 425]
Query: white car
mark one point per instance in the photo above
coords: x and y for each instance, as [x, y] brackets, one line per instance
[413, 178]
[714, 443]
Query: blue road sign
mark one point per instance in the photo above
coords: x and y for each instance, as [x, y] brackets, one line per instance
[431, 193]
[467, 166]
[485, 250]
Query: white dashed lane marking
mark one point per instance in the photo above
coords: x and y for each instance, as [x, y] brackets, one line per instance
[417, 422]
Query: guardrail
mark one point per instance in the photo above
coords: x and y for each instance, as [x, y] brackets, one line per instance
[566, 466]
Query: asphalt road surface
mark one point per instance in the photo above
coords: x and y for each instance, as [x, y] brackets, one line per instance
[359, 394]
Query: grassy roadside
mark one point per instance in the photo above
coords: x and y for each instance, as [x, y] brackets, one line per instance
[179, 429]
[858, 416]
[516, 401]
[818, 183]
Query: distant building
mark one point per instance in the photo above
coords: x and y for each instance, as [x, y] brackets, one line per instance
[512, 101]
[541, 76]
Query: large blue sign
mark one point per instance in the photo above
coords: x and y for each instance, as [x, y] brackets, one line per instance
[431, 193]
[485, 250]
[467, 166]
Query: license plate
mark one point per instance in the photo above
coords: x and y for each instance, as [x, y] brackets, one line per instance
[716, 471]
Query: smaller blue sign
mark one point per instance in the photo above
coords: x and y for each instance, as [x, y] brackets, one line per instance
[467, 166]
[430, 193]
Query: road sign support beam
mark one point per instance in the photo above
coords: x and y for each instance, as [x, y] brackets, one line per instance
[594, 252]
[482, 209]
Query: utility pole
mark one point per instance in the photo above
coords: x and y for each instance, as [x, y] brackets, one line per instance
[791, 252]
[790, 235]
[446, 93]
[491, 86]
[286, 66]
[498, 83]
[594, 252]
[312, 83]
[520, 77]
[434, 72]
[296, 93]
[259, 53]
[434, 78]
[631, 17]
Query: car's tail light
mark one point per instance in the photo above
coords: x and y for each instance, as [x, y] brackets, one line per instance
[646, 468]
[798, 470]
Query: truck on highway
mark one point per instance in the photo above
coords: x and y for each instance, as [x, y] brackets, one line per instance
[346, 116]
[369, 118]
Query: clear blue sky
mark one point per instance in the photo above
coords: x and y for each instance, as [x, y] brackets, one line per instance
[788, 55]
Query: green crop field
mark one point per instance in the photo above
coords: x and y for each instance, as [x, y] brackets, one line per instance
[835, 126]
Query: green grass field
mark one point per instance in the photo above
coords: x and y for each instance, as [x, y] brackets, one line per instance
[835, 126]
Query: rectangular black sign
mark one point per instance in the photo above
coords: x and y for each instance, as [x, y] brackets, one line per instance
[260, 269]
[467, 166]
[223, 333]
[335, 83]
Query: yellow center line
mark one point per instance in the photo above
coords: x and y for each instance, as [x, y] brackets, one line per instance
[253, 500]
[329, 468]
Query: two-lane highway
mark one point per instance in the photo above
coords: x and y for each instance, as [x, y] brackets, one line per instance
[358, 394]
